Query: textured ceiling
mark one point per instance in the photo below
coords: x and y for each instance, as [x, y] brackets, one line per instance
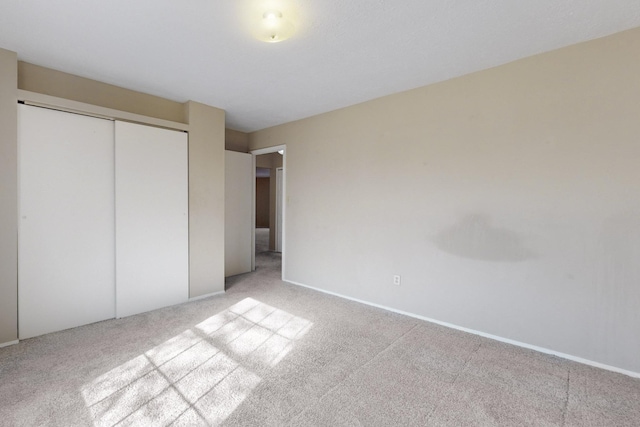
[344, 51]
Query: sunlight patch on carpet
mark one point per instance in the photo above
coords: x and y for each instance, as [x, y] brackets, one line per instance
[200, 375]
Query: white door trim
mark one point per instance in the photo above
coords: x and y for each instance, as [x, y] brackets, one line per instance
[279, 202]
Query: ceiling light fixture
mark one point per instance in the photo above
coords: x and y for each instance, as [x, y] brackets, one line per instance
[274, 27]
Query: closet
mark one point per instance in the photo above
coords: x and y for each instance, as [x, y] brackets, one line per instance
[152, 225]
[103, 220]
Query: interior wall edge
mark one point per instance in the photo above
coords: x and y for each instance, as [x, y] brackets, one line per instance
[206, 198]
[476, 332]
[8, 196]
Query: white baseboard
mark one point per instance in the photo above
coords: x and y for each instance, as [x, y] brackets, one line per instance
[7, 344]
[480, 333]
[206, 296]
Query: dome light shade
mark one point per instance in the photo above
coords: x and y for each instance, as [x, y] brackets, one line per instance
[274, 27]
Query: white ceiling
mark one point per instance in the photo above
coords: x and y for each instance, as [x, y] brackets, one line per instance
[344, 51]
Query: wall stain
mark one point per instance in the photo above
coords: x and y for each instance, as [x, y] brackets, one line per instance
[474, 237]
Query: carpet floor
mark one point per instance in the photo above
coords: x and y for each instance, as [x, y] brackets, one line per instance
[268, 353]
[262, 240]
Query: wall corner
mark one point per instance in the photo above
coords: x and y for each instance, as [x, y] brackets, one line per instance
[206, 198]
[9, 196]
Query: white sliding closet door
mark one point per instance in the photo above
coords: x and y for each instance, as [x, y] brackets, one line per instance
[66, 228]
[152, 247]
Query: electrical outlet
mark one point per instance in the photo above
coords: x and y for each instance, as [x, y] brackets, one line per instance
[396, 280]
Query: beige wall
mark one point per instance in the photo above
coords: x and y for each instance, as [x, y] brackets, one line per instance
[264, 161]
[206, 170]
[8, 197]
[56, 83]
[206, 199]
[236, 141]
[507, 199]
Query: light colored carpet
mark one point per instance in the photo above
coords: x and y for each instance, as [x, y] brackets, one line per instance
[262, 240]
[271, 353]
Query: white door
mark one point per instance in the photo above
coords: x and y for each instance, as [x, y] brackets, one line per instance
[66, 227]
[237, 213]
[279, 183]
[152, 243]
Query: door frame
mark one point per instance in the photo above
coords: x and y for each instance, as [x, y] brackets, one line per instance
[258, 152]
[279, 203]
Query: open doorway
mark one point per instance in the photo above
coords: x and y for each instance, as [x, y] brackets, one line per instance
[268, 208]
[263, 203]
